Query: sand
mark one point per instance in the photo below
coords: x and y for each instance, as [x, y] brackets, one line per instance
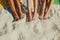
[35, 30]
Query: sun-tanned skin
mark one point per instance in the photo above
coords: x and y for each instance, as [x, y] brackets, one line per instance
[48, 7]
[11, 2]
[13, 7]
[32, 15]
[35, 9]
[41, 14]
[29, 11]
[21, 15]
[45, 8]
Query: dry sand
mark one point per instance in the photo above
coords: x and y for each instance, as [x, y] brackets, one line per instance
[35, 30]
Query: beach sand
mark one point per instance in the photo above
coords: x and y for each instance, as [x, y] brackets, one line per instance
[35, 30]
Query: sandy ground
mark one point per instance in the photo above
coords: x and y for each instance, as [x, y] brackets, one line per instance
[35, 30]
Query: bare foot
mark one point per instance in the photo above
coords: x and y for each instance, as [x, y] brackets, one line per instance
[35, 10]
[46, 16]
[16, 18]
[33, 16]
[41, 15]
[29, 11]
[21, 16]
[29, 18]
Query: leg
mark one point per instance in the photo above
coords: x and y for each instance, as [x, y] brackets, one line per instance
[48, 9]
[11, 2]
[35, 9]
[21, 15]
[41, 14]
[29, 11]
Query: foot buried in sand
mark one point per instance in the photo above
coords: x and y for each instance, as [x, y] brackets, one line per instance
[21, 15]
[45, 8]
[43, 15]
[13, 4]
[29, 11]
[32, 15]
[35, 10]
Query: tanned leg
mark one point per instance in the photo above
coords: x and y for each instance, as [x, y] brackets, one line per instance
[35, 9]
[48, 9]
[11, 2]
[21, 15]
[41, 14]
[29, 11]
